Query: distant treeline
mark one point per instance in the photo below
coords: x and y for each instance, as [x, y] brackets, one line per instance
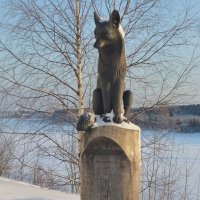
[193, 109]
[183, 118]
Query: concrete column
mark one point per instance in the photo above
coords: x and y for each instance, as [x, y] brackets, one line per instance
[110, 164]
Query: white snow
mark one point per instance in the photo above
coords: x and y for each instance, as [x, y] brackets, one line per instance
[15, 190]
[99, 122]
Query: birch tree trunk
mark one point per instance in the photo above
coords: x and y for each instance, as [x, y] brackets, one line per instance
[79, 59]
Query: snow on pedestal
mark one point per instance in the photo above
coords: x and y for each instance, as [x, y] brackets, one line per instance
[126, 125]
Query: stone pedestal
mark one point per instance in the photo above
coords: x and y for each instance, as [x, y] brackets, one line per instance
[110, 164]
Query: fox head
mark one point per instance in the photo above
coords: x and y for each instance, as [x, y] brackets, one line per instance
[108, 32]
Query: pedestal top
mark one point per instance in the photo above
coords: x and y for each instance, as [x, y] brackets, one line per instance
[126, 125]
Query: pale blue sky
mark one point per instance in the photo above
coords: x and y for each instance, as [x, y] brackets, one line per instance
[177, 5]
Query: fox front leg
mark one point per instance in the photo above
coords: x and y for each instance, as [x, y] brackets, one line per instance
[105, 89]
[98, 102]
[107, 107]
[117, 98]
[127, 100]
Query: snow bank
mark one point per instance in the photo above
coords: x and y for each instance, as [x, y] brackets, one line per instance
[15, 190]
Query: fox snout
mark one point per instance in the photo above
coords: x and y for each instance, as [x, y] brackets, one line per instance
[99, 43]
[96, 45]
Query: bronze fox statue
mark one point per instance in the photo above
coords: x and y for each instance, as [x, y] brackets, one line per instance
[109, 94]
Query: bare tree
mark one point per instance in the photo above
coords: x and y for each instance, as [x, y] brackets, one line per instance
[165, 174]
[48, 63]
[49, 66]
[44, 68]
[155, 39]
[6, 151]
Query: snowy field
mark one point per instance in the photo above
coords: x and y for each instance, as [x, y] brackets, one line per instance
[14, 190]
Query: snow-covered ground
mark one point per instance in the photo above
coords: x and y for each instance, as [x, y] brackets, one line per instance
[14, 190]
[182, 156]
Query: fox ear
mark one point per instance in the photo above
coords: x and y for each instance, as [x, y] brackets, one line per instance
[96, 18]
[115, 18]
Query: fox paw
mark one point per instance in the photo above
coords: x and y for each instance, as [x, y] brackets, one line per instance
[86, 120]
[126, 120]
[106, 119]
[117, 119]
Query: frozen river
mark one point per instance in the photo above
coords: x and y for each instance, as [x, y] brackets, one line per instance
[163, 153]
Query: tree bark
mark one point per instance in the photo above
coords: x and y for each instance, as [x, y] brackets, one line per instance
[79, 60]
